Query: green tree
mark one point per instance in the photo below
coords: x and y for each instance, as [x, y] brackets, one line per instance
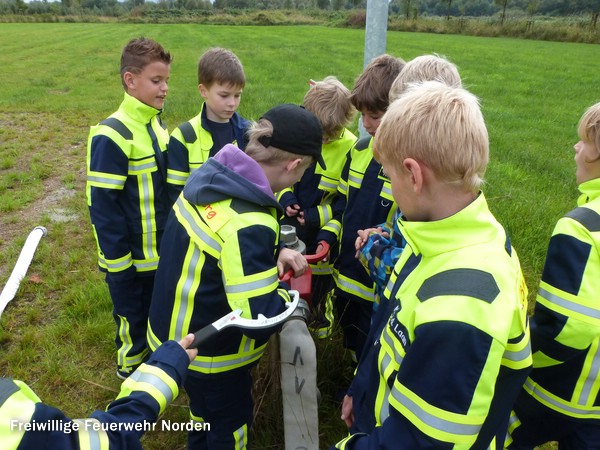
[20, 7]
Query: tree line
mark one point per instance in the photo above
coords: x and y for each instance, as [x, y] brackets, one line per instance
[408, 8]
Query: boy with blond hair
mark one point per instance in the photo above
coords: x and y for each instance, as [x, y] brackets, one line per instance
[308, 203]
[219, 255]
[425, 68]
[452, 358]
[364, 199]
[379, 248]
[221, 80]
[560, 401]
[127, 194]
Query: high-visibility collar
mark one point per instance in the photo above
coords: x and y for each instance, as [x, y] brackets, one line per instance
[469, 226]
[590, 190]
[137, 110]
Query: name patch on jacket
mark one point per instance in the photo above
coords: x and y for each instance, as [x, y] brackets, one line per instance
[398, 329]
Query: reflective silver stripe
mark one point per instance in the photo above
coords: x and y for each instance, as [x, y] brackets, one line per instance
[147, 213]
[320, 270]
[103, 180]
[325, 212]
[520, 355]
[354, 288]
[513, 419]
[146, 265]
[185, 214]
[234, 362]
[354, 179]
[115, 266]
[86, 429]
[384, 411]
[334, 226]
[240, 437]
[571, 306]
[173, 177]
[435, 422]
[247, 344]
[591, 379]
[469, 282]
[386, 190]
[252, 285]
[139, 167]
[327, 185]
[139, 376]
[559, 406]
[182, 305]
[153, 341]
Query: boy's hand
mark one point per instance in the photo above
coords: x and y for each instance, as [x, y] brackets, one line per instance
[185, 343]
[319, 250]
[300, 218]
[292, 210]
[347, 412]
[363, 237]
[291, 259]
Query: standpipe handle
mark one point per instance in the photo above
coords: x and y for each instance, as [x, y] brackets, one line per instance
[311, 259]
[320, 256]
[203, 334]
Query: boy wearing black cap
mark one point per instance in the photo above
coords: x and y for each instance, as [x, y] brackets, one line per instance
[219, 251]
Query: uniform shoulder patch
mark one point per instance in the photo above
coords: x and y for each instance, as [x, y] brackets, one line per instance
[363, 143]
[119, 127]
[188, 132]
[588, 218]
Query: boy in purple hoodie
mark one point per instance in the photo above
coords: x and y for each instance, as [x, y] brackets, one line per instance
[220, 253]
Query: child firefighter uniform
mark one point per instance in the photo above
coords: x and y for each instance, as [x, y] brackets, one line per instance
[220, 253]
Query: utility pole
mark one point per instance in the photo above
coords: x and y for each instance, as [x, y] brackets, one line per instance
[375, 37]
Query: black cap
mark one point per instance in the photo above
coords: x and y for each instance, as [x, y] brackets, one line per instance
[295, 130]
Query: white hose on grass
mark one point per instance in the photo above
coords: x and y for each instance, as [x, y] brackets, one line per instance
[18, 273]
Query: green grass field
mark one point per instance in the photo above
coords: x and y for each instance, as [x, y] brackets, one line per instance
[58, 79]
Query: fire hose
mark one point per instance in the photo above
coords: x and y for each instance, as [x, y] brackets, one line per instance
[20, 269]
[299, 361]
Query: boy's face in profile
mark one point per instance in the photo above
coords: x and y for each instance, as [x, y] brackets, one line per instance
[371, 120]
[150, 86]
[587, 159]
[222, 100]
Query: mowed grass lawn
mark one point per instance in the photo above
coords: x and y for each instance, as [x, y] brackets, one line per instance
[58, 79]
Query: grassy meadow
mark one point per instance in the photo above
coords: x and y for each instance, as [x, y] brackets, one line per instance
[58, 79]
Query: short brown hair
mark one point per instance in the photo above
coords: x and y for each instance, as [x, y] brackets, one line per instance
[439, 125]
[372, 87]
[425, 68]
[140, 52]
[589, 126]
[222, 66]
[329, 100]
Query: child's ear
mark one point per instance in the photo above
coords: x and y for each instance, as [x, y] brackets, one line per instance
[417, 175]
[203, 90]
[129, 79]
[293, 164]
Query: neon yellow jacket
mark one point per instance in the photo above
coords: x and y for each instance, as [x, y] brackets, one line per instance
[219, 255]
[126, 188]
[565, 330]
[454, 350]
